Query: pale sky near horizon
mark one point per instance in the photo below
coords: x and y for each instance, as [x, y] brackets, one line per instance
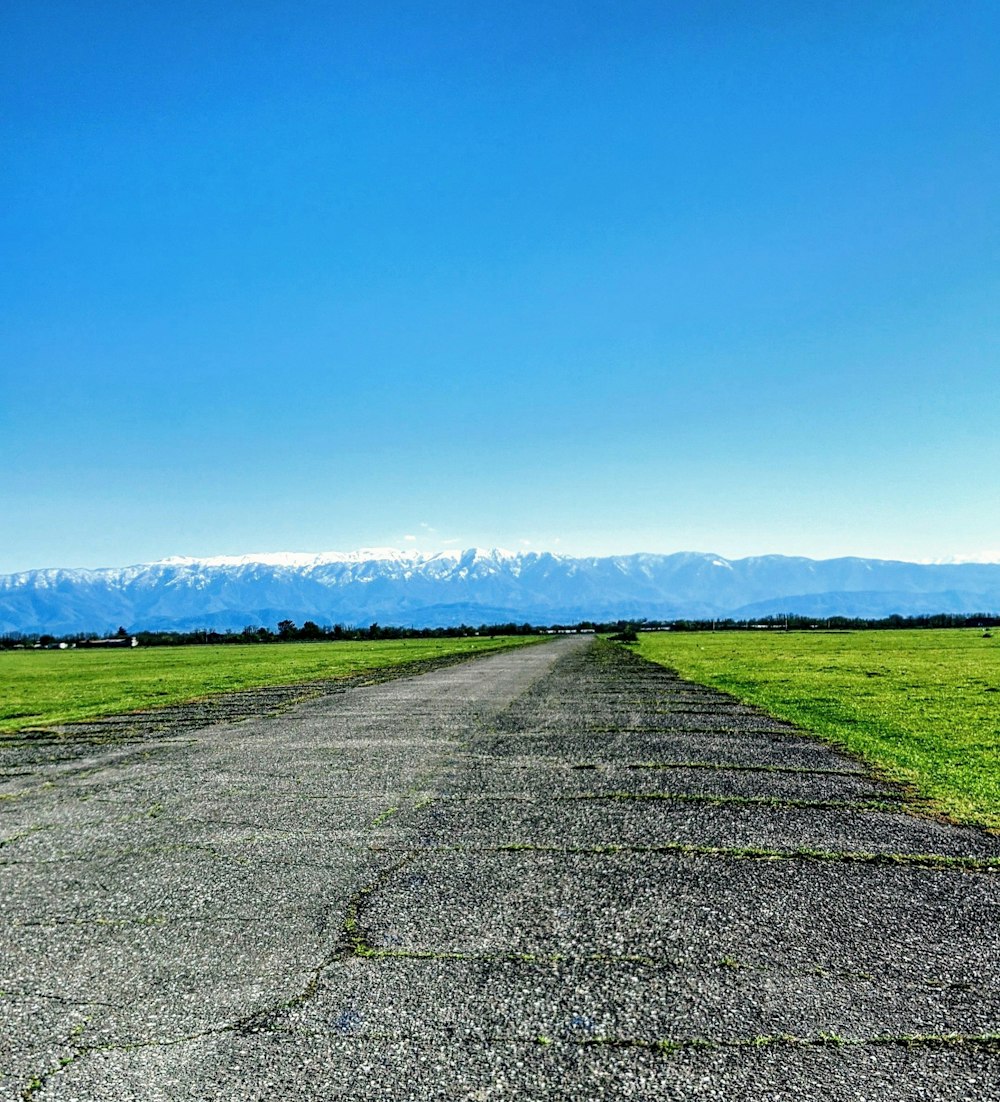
[582, 277]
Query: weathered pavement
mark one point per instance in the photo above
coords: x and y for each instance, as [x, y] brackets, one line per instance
[552, 873]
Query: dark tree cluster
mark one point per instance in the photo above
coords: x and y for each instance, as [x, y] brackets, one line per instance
[287, 631]
[831, 623]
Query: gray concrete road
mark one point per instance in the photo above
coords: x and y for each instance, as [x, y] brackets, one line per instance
[553, 873]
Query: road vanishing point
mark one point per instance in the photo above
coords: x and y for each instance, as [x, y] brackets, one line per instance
[555, 872]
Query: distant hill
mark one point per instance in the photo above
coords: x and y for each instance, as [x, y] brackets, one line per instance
[479, 586]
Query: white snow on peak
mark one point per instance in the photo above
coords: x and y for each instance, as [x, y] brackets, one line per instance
[307, 560]
[981, 558]
[295, 559]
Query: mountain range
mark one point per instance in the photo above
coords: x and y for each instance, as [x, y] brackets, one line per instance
[408, 588]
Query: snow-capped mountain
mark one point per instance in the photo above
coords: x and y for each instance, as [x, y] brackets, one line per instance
[479, 586]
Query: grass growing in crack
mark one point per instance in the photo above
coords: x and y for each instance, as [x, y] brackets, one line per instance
[981, 1042]
[385, 816]
[922, 705]
[12, 839]
[734, 767]
[710, 798]
[753, 853]
[353, 933]
[746, 801]
[360, 948]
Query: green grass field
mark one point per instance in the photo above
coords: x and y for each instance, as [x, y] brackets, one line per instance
[44, 687]
[923, 706]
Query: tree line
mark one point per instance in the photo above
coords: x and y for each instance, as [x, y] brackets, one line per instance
[287, 631]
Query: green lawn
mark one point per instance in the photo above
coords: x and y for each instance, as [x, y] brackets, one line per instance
[44, 687]
[924, 706]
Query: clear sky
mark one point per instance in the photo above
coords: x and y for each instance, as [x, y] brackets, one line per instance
[585, 277]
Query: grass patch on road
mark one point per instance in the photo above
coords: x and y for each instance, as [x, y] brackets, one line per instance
[40, 688]
[923, 706]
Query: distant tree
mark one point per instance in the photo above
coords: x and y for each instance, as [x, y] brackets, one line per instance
[311, 630]
[121, 633]
[287, 629]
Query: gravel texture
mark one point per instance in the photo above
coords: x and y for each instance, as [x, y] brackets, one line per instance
[552, 873]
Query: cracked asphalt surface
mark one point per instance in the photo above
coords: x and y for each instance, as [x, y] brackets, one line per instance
[557, 872]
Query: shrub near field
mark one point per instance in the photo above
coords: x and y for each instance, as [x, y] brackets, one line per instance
[924, 706]
[45, 687]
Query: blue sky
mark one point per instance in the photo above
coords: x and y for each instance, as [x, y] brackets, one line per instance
[588, 277]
